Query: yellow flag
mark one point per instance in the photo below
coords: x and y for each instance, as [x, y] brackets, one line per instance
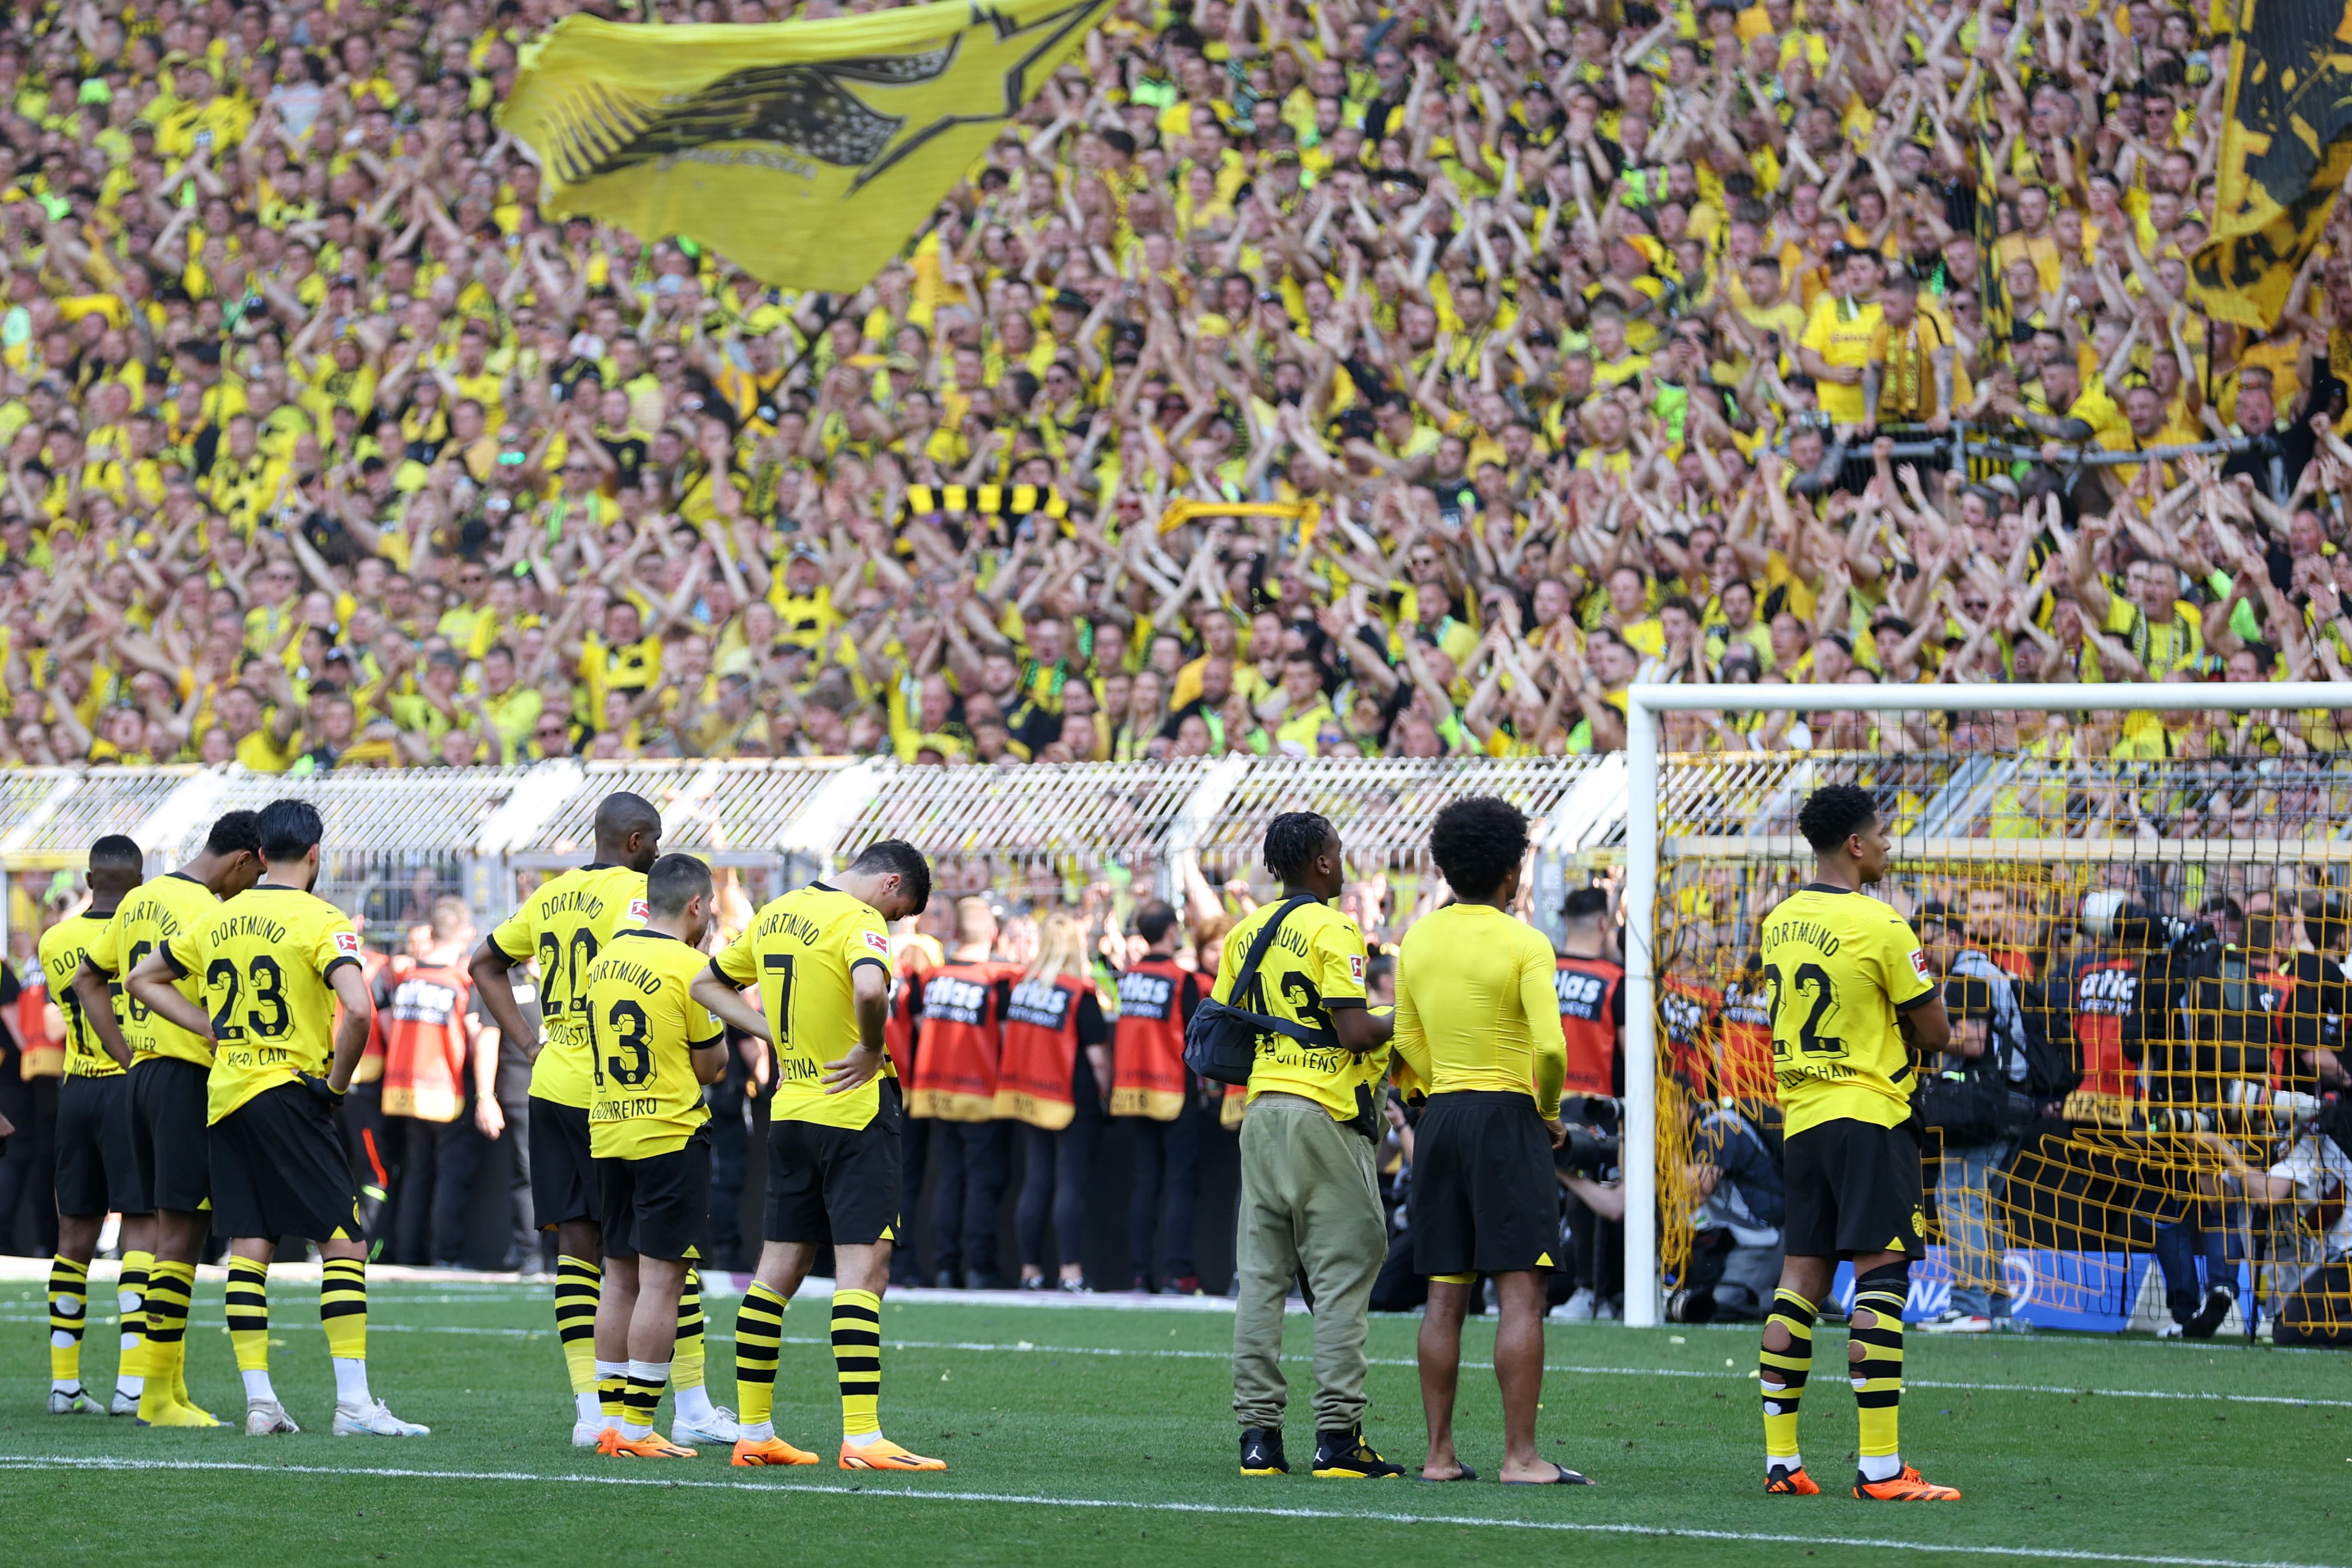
[806, 153]
[2287, 147]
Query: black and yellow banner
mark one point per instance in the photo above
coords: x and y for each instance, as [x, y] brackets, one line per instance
[805, 152]
[2286, 146]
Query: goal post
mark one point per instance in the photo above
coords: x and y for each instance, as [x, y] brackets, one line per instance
[2040, 828]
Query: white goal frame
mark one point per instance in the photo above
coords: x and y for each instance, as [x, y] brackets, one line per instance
[1644, 850]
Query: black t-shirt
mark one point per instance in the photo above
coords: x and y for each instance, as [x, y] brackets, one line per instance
[12, 1067]
[2315, 1008]
[627, 452]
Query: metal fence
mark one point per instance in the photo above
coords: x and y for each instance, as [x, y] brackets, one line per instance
[397, 840]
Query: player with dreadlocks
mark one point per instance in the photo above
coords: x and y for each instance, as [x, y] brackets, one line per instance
[1311, 1204]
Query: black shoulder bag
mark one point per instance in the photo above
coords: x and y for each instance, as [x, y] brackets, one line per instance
[1221, 1039]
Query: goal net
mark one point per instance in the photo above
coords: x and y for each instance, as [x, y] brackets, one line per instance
[2138, 901]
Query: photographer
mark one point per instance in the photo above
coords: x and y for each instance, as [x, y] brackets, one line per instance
[1967, 1092]
[2196, 1022]
[2315, 1174]
[1736, 1252]
[1593, 1225]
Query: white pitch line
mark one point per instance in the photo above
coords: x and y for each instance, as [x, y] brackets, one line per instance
[1022, 1499]
[1024, 1348]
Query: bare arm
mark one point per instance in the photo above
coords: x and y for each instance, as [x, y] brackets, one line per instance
[351, 1029]
[493, 977]
[871, 989]
[726, 1005]
[155, 986]
[89, 989]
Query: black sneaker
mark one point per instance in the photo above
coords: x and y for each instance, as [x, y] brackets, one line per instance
[1346, 1457]
[1262, 1452]
[2217, 1302]
[946, 1279]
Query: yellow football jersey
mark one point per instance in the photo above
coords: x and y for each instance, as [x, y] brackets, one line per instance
[1838, 966]
[801, 950]
[1316, 963]
[151, 915]
[63, 947]
[265, 961]
[1478, 1005]
[565, 924]
[642, 1030]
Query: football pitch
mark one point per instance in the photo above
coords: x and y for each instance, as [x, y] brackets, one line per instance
[1101, 1435]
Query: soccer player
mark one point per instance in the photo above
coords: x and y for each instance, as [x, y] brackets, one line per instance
[651, 1047]
[273, 965]
[565, 924]
[821, 957]
[1849, 987]
[1477, 1019]
[95, 1175]
[170, 1068]
[1310, 1205]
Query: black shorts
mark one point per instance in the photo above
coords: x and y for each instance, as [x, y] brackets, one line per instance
[656, 1208]
[96, 1174]
[171, 1162]
[563, 1174]
[1854, 1188]
[836, 1186]
[280, 1169]
[1484, 1199]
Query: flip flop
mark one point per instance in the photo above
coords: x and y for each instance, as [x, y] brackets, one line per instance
[1566, 1477]
[1467, 1475]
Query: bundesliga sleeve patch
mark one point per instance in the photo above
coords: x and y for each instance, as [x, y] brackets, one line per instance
[1356, 967]
[1920, 959]
[638, 909]
[878, 943]
[347, 943]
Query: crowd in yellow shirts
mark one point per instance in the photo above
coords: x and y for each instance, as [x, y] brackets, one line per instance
[1551, 341]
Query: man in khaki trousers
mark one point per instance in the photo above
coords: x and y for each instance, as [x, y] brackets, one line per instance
[1310, 1203]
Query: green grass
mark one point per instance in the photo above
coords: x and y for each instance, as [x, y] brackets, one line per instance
[1063, 1453]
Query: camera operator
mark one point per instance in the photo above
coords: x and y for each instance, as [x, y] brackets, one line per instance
[1974, 1093]
[2315, 1174]
[1735, 1251]
[1398, 1288]
[2316, 1005]
[1593, 1225]
[2201, 1022]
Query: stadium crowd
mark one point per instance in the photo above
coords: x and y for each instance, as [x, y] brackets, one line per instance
[1556, 347]
[1324, 380]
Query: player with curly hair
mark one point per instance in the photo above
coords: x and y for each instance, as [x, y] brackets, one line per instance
[1310, 1206]
[1849, 985]
[1478, 1019]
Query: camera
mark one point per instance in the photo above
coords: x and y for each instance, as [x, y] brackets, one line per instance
[1590, 1154]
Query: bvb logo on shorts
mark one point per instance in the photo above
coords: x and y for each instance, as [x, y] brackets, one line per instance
[1918, 1224]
